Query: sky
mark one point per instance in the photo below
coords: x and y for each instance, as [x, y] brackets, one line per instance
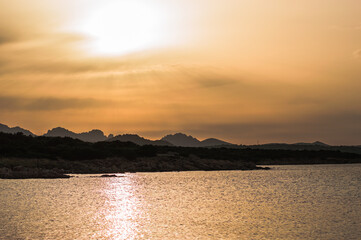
[245, 71]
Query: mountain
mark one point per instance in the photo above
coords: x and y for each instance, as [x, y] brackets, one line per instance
[213, 142]
[92, 136]
[182, 140]
[139, 140]
[6, 129]
[317, 143]
[315, 146]
[60, 132]
[285, 146]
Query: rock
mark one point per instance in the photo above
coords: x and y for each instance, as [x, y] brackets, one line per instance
[108, 175]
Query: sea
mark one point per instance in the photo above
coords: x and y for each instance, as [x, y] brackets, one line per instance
[286, 202]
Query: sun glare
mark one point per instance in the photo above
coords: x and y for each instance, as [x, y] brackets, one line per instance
[126, 26]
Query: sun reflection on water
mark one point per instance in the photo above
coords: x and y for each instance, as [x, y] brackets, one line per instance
[121, 211]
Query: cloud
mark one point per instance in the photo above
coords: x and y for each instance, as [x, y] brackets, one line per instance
[215, 82]
[52, 54]
[60, 54]
[6, 37]
[11, 103]
[357, 53]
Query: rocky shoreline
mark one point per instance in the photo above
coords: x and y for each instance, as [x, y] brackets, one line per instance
[25, 173]
[45, 168]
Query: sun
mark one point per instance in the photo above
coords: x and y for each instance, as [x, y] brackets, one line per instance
[124, 26]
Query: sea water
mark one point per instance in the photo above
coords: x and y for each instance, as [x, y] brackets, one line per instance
[286, 202]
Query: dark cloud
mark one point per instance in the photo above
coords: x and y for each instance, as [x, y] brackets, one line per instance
[214, 82]
[6, 38]
[11, 103]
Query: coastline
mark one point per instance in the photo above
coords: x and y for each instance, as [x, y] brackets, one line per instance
[14, 168]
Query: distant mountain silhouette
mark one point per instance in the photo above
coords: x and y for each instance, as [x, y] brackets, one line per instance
[182, 140]
[317, 143]
[92, 136]
[6, 129]
[139, 140]
[213, 142]
[60, 132]
[315, 146]
[294, 146]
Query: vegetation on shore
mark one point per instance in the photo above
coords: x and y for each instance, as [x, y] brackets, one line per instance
[67, 155]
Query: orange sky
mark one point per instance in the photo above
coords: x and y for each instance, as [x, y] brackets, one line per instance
[240, 70]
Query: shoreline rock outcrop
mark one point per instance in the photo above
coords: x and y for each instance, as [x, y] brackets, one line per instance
[25, 173]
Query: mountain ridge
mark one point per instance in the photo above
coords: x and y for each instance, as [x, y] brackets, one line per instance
[139, 140]
[178, 139]
[94, 135]
[183, 140]
[6, 129]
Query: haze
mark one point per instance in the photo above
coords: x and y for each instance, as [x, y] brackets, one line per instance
[241, 70]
